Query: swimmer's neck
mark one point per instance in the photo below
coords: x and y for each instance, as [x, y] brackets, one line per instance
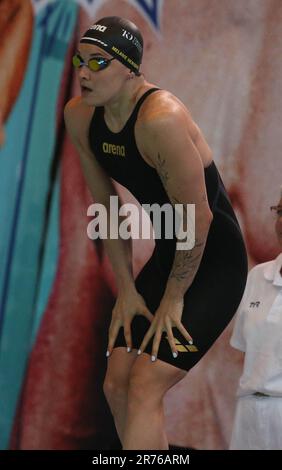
[118, 109]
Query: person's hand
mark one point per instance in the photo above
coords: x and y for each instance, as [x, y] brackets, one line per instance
[168, 315]
[128, 304]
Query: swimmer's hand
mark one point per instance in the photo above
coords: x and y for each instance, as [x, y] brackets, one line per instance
[167, 315]
[128, 304]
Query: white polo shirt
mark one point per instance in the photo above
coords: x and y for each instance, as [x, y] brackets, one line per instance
[258, 330]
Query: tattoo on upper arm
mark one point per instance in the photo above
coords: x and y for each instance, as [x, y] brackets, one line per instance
[176, 201]
[164, 176]
[186, 262]
[162, 171]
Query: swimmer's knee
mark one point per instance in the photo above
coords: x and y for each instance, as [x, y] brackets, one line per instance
[117, 376]
[150, 380]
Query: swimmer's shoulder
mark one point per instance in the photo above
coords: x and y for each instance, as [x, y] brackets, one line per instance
[163, 103]
[77, 117]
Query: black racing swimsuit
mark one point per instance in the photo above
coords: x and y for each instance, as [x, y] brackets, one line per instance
[213, 297]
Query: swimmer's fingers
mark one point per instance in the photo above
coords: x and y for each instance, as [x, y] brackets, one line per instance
[127, 326]
[113, 332]
[171, 339]
[184, 332]
[156, 342]
[127, 335]
[144, 311]
[163, 325]
[147, 336]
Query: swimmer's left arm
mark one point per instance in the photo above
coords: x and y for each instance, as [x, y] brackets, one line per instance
[175, 157]
[181, 171]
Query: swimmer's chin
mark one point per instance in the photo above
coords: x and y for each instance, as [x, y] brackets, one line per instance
[87, 100]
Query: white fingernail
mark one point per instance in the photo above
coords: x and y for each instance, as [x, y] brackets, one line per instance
[174, 354]
[139, 352]
[191, 341]
[153, 358]
[107, 354]
[128, 349]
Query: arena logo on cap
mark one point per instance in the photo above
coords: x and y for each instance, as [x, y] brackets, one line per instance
[99, 27]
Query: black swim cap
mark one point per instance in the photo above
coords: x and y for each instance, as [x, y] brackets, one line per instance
[119, 37]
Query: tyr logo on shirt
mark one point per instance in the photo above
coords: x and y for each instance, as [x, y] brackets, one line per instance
[255, 304]
[114, 149]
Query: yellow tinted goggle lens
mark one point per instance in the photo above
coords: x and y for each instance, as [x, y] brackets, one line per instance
[76, 61]
[93, 64]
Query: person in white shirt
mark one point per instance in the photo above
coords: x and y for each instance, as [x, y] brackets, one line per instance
[258, 333]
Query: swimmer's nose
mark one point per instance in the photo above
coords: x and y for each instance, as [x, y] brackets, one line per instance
[84, 72]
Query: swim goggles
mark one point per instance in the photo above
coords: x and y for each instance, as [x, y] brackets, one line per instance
[95, 64]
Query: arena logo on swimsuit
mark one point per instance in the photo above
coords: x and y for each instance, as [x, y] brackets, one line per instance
[114, 149]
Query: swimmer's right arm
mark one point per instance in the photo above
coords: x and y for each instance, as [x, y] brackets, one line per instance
[101, 188]
[129, 302]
